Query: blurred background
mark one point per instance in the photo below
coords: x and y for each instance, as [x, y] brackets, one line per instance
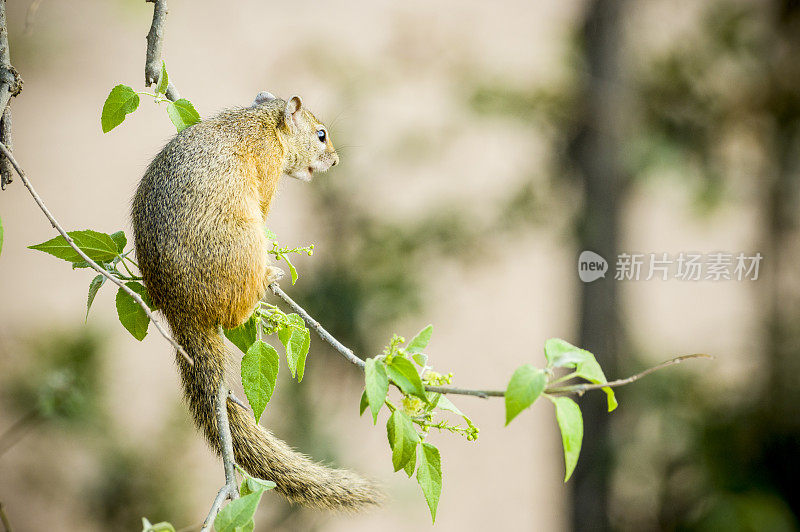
[483, 147]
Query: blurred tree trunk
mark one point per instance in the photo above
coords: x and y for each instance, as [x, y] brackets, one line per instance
[596, 153]
[781, 206]
[781, 209]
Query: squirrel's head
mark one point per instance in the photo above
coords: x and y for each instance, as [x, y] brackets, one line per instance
[308, 143]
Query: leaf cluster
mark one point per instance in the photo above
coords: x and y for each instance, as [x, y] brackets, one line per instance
[108, 251]
[261, 360]
[123, 100]
[406, 368]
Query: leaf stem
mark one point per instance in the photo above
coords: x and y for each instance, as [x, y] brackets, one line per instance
[126, 268]
[564, 378]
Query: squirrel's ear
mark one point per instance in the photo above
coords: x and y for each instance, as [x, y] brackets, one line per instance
[293, 106]
[262, 98]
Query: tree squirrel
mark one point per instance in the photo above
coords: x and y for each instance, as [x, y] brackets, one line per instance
[198, 219]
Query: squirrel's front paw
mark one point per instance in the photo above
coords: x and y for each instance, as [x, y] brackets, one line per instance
[273, 275]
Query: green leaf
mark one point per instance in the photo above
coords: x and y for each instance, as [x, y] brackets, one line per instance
[377, 386]
[94, 286]
[270, 234]
[244, 335]
[259, 373]
[139, 288]
[404, 374]
[255, 485]
[562, 354]
[526, 385]
[403, 439]
[429, 476]
[131, 315]
[420, 341]
[163, 79]
[445, 404]
[121, 101]
[362, 407]
[120, 240]
[300, 361]
[411, 465]
[292, 269]
[100, 247]
[183, 114]
[238, 513]
[296, 339]
[420, 358]
[570, 422]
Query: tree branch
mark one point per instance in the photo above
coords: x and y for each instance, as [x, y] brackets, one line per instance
[231, 489]
[314, 324]
[10, 85]
[578, 389]
[581, 388]
[483, 394]
[155, 42]
[85, 257]
[152, 74]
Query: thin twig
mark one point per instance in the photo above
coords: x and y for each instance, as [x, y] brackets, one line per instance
[224, 429]
[581, 388]
[230, 490]
[85, 257]
[483, 394]
[155, 42]
[3, 517]
[222, 495]
[235, 400]
[320, 330]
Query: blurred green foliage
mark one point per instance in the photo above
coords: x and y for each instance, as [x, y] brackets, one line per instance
[61, 382]
[58, 389]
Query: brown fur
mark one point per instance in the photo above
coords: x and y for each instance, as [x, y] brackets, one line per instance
[198, 219]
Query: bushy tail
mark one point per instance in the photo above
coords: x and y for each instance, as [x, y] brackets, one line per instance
[256, 449]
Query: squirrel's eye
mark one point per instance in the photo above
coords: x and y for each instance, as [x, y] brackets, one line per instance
[321, 135]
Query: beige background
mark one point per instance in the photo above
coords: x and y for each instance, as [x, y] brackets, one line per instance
[384, 71]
